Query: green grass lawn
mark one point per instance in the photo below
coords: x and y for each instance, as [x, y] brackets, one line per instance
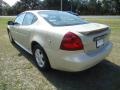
[113, 23]
[3, 22]
[19, 72]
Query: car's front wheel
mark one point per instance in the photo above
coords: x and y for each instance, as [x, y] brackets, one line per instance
[10, 37]
[41, 58]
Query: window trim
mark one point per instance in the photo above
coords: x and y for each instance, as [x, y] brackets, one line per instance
[19, 15]
[32, 19]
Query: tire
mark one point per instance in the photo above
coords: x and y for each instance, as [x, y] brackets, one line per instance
[41, 58]
[10, 37]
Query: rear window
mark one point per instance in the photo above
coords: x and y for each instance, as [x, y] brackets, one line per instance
[59, 18]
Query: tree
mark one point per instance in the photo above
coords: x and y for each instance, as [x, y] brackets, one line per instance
[107, 6]
[117, 6]
[52, 4]
[83, 7]
[56, 4]
[0, 7]
[31, 4]
[3, 7]
[24, 5]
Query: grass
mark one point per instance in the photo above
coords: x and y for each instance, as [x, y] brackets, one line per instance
[114, 23]
[19, 72]
[3, 22]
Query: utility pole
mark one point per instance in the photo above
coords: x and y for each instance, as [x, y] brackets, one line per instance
[61, 5]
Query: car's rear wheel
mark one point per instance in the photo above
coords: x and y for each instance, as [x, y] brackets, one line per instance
[10, 37]
[41, 58]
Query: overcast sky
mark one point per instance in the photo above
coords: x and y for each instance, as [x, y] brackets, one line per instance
[11, 2]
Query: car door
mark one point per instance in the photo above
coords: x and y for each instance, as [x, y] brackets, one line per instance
[25, 30]
[17, 26]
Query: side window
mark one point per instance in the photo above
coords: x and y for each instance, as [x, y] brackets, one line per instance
[29, 19]
[20, 18]
[34, 19]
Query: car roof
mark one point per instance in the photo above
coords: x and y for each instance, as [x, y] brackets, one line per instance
[36, 11]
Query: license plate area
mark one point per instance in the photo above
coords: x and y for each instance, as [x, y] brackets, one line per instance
[99, 41]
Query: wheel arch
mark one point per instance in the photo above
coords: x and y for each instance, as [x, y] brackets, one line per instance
[33, 43]
[8, 30]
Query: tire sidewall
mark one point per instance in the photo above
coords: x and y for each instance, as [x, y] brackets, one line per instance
[46, 65]
[10, 37]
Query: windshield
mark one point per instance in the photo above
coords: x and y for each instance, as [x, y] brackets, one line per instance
[59, 18]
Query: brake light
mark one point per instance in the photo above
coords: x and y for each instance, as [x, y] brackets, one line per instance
[71, 42]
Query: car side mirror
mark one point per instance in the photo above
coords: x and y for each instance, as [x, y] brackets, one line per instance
[10, 23]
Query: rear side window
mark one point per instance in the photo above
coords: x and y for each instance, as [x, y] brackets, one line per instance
[29, 19]
[34, 19]
[20, 18]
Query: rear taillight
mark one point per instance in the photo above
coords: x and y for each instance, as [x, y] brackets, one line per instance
[71, 42]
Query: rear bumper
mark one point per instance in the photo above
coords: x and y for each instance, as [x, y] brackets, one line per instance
[80, 61]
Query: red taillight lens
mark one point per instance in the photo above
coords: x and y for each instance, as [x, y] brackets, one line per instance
[71, 42]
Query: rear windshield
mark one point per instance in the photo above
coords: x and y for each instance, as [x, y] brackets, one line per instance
[59, 18]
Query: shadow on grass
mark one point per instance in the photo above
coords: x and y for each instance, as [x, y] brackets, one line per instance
[104, 76]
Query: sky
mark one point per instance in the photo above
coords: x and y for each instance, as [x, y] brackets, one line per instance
[11, 2]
